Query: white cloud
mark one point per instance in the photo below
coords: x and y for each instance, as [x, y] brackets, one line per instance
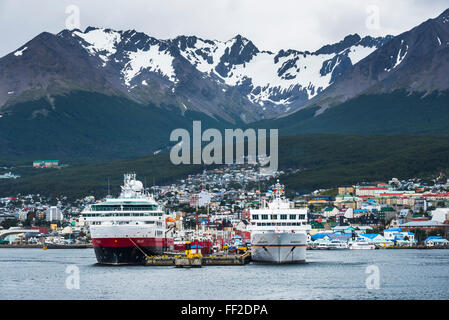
[271, 25]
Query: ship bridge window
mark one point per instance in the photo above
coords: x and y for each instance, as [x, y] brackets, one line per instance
[302, 216]
[293, 217]
[283, 217]
[106, 208]
[265, 217]
[152, 214]
[274, 217]
[89, 215]
[255, 217]
[126, 207]
[140, 207]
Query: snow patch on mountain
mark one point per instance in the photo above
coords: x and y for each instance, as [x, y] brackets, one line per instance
[20, 52]
[400, 56]
[100, 41]
[359, 52]
[264, 74]
[271, 75]
[153, 60]
[205, 55]
[265, 78]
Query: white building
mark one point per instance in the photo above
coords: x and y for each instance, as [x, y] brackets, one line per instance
[53, 214]
[440, 215]
[204, 198]
[370, 191]
[397, 233]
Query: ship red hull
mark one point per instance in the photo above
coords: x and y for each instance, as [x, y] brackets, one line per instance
[120, 251]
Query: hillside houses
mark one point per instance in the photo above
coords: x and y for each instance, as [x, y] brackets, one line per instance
[219, 200]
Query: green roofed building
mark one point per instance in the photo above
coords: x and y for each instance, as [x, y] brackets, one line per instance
[386, 213]
[316, 225]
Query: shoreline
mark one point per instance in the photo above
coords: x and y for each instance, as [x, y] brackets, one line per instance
[89, 246]
[420, 247]
[40, 246]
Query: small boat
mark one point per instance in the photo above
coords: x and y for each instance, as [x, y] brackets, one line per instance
[361, 245]
[337, 245]
[323, 246]
[332, 245]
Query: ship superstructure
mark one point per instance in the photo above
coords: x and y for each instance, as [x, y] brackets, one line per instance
[126, 229]
[279, 230]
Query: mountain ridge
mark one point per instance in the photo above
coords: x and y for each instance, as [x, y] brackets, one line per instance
[416, 61]
[230, 79]
[102, 93]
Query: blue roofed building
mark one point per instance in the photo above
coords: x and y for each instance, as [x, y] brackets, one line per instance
[344, 237]
[400, 237]
[324, 239]
[320, 235]
[436, 241]
[376, 239]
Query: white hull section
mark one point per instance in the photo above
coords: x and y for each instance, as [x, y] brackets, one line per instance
[272, 247]
[124, 231]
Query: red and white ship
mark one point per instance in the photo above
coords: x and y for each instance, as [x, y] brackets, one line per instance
[127, 228]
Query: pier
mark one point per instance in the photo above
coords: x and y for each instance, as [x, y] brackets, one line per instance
[199, 261]
[419, 247]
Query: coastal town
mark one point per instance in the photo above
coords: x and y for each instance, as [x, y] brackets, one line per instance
[217, 203]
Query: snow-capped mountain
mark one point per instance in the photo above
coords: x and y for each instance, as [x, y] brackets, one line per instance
[268, 79]
[416, 61]
[232, 79]
[110, 93]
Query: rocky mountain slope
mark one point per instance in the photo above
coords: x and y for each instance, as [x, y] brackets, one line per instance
[106, 94]
[232, 79]
[414, 62]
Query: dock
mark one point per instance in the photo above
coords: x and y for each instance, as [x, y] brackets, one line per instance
[419, 247]
[183, 260]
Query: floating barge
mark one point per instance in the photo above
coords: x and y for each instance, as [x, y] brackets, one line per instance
[197, 262]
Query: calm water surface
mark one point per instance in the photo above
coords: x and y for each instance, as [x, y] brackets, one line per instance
[404, 274]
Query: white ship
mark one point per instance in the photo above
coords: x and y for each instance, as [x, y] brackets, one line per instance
[279, 231]
[126, 229]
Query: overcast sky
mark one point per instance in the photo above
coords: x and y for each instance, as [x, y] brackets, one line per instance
[271, 25]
